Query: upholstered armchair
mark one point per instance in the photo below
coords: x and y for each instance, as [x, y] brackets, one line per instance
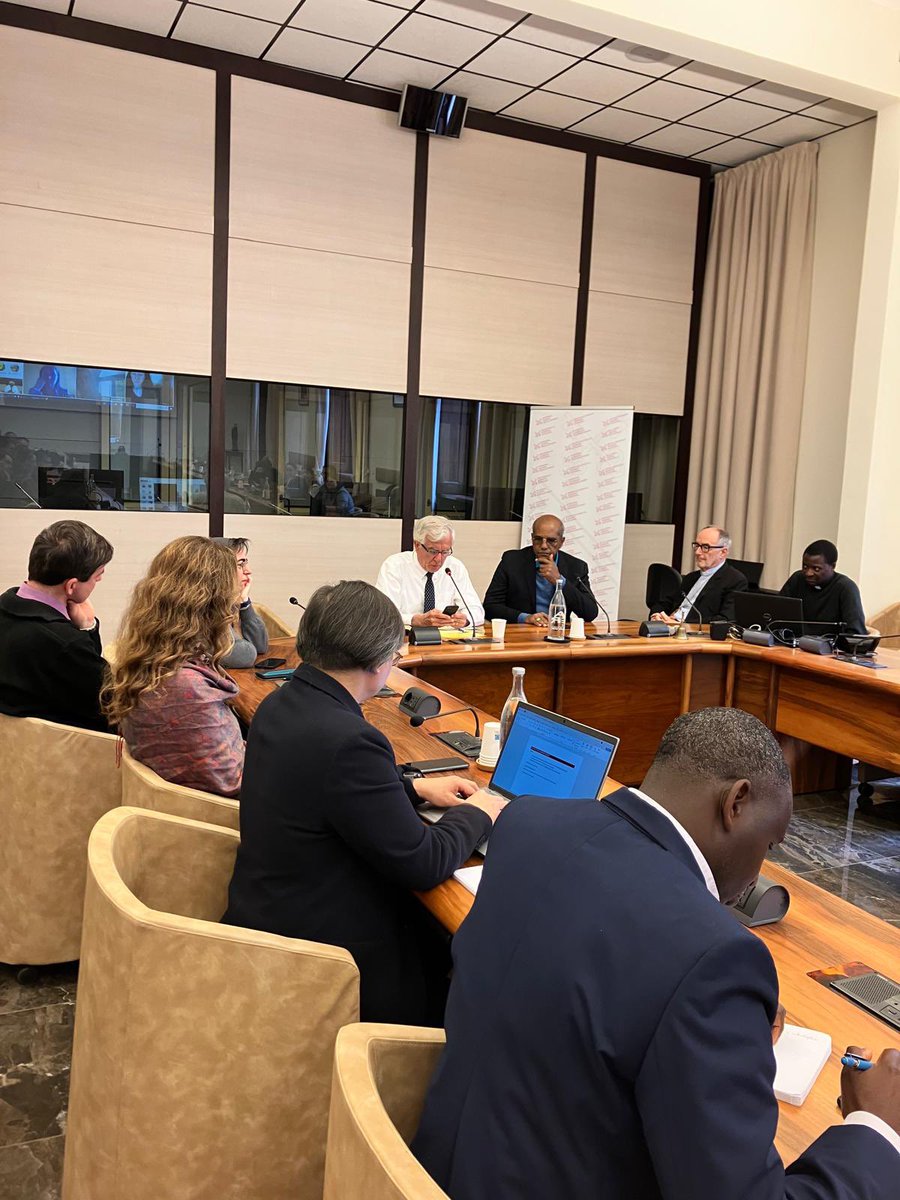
[57, 782]
[202, 1057]
[381, 1075]
[143, 788]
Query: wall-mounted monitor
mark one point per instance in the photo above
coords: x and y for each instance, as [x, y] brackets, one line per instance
[427, 111]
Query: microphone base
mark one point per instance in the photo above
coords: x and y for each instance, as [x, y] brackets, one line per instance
[557, 641]
[609, 637]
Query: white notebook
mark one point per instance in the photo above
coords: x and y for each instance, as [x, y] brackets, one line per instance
[469, 877]
[800, 1054]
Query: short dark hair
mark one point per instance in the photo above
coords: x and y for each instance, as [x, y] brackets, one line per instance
[722, 743]
[827, 550]
[67, 550]
[238, 545]
[349, 626]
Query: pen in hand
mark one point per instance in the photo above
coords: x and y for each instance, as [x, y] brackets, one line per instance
[856, 1063]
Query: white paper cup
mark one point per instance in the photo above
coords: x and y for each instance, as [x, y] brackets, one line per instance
[498, 630]
[490, 744]
[576, 628]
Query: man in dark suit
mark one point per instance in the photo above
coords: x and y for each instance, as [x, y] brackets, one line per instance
[609, 1026]
[332, 847]
[524, 581]
[707, 594]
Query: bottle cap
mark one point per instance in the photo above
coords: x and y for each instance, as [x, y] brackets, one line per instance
[518, 670]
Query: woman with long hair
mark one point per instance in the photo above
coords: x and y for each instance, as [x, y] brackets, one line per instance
[166, 692]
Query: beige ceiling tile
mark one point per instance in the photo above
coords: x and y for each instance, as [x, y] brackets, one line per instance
[733, 116]
[224, 30]
[437, 41]
[597, 82]
[548, 109]
[733, 152]
[480, 14]
[680, 139]
[713, 79]
[839, 112]
[668, 100]
[555, 36]
[150, 16]
[617, 125]
[795, 128]
[351, 20]
[520, 63]
[314, 52]
[481, 92]
[785, 98]
[266, 10]
[388, 70]
[633, 56]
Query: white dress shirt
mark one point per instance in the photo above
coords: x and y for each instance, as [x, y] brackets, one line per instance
[403, 580]
[855, 1118]
[681, 613]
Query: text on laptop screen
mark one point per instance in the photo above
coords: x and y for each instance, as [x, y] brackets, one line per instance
[542, 757]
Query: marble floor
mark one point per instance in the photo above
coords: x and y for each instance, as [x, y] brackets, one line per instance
[846, 850]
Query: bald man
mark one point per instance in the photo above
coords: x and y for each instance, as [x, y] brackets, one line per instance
[525, 580]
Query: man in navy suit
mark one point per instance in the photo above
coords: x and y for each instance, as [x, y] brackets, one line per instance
[525, 580]
[609, 1021]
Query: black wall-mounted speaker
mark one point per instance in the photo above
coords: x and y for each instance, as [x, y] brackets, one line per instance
[427, 111]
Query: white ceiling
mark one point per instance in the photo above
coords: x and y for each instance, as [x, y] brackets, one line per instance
[505, 61]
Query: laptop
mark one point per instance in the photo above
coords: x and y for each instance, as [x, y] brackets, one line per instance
[768, 612]
[548, 755]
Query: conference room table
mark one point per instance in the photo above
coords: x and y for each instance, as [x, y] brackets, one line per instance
[820, 930]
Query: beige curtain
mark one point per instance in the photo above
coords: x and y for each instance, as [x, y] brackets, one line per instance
[752, 357]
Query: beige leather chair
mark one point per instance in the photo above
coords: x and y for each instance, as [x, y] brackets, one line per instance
[381, 1075]
[887, 620]
[201, 1067]
[275, 627]
[57, 781]
[143, 788]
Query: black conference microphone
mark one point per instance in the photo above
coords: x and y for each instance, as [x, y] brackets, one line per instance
[462, 597]
[609, 636]
[681, 623]
[417, 720]
[294, 600]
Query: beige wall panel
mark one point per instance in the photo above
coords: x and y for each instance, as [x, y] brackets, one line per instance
[480, 544]
[636, 353]
[645, 225]
[104, 293]
[319, 173]
[643, 545]
[135, 537]
[304, 316]
[499, 206]
[292, 556]
[485, 338]
[93, 130]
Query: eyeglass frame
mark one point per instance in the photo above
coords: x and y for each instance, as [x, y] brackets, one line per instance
[435, 553]
[706, 547]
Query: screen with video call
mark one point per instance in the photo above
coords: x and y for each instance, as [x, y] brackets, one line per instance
[100, 385]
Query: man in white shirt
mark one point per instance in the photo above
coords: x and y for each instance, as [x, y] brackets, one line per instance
[427, 580]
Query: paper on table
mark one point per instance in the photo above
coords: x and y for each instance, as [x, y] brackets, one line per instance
[800, 1054]
[469, 877]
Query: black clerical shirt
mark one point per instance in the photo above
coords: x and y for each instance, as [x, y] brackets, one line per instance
[836, 600]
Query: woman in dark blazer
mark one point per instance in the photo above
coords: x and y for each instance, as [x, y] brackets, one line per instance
[331, 844]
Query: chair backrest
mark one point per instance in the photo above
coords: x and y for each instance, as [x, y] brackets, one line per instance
[381, 1075]
[203, 1052]
[886, 620]
[662, 581]
[143, 788]
[752, 571]
[57, 781]
[275, 627]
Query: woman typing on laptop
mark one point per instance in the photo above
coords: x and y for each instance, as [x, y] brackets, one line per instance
[331, 844]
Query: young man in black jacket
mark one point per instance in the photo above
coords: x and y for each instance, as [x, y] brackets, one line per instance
[826, 595]
[51, 664]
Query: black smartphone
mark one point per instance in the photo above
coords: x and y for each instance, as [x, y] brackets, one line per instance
[430, 765]
[451, 610]
[269, 664]
[277, 673]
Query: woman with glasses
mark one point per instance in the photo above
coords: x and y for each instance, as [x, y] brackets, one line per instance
[248, 631]
[332, 847]
[428, 584]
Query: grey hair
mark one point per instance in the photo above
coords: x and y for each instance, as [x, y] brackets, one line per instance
[722, 743]
[436, 528]
[723, 535]
[349, 626]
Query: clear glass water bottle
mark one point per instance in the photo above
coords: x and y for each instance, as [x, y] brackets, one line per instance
[513, 700]
[557, 615]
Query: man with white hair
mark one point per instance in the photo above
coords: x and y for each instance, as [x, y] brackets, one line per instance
[427, 581]
[706, 594]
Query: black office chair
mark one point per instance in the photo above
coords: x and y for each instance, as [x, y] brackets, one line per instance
[662, 581]
[752, 571]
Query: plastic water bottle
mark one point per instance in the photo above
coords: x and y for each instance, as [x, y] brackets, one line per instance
[557, 615]
[513, 700]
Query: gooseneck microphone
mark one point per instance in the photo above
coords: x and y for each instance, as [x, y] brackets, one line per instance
[417, 720]
[462, 597]
[609, 636]
[294, 600]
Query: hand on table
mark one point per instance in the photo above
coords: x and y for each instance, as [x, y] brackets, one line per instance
[446, 791]
[536, 619]
[877, 1090]
[665, 617]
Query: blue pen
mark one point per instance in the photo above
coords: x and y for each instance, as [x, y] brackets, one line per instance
[858, 1064]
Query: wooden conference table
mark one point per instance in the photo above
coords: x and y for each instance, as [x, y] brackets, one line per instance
[819, 931]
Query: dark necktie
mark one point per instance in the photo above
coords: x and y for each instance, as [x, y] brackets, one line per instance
[429, 591]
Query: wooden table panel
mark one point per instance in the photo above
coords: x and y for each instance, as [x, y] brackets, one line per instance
[751, 687]
[850, 719]
[708, 680]
[488, 683]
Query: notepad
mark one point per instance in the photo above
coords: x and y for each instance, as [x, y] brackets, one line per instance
[800, 1055]
[469, 877]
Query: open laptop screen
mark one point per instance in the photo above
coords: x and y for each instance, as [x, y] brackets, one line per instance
[549, 755]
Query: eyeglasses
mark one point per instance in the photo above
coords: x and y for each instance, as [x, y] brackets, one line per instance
[705, 546]
[434, 552]
[538, 541]
[397, 659]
